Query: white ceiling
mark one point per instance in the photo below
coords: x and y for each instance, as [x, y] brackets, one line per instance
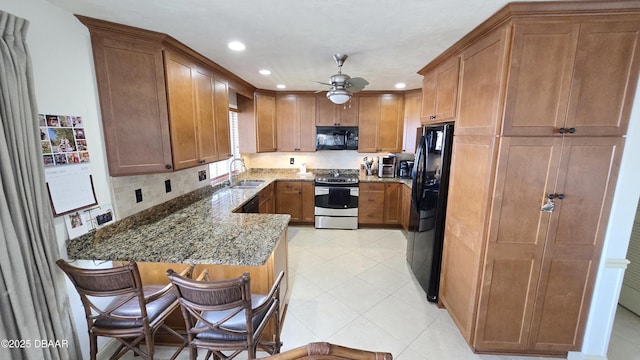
[387, 41]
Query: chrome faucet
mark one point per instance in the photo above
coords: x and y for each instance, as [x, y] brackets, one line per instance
[231, 168]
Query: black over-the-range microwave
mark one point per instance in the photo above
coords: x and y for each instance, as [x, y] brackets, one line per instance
[337, 138]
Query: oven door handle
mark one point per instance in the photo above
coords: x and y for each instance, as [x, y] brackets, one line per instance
[322, 191]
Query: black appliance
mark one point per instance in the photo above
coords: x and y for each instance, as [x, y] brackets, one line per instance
[252, 206]
[336, 138]
[430, 180]
[405, 168]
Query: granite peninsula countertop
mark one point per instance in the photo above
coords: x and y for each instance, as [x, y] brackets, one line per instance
[200, 227]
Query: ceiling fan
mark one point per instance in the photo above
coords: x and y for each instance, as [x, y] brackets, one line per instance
[342, 85]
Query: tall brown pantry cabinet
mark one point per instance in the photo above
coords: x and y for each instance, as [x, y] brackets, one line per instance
[544, 97]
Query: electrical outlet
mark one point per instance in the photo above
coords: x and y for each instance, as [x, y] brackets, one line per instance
[291, 161]
[138, 195]
[167, 186]
[202, 175]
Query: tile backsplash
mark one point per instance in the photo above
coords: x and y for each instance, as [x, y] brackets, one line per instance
[327, 159]
[153, 189]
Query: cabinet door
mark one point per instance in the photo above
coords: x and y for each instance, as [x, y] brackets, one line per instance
[204, 83]
[181, 96]
[392, 203]
[288, 125]
[406, 207]
[429, 86]
[412, 103]
[265, 122]
[542, 57]
[368, 126]
[223, 133]
[605, 78]
[308, 202]
[447, 90]
[347, 114]
[326, 111]
[526, 173]
[390, 127]
[470, 186]
[482, 72]
[135, 119]
[288, 199]
[587, 177]
[306, 112]
[267, 205]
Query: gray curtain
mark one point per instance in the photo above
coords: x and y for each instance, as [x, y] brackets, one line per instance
[33, 296]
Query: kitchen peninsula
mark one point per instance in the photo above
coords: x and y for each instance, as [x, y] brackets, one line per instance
[197, 228]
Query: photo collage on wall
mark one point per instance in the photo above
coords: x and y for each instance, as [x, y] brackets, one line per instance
[63, 140]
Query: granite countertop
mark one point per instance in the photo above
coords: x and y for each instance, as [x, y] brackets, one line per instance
[200, 227]
[197, 228]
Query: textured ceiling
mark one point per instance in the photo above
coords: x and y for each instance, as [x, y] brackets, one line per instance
[387, 41]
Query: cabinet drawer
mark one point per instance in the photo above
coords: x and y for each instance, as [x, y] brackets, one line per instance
[288, 185]
[371, 199]
[370, 215]
[371, 186]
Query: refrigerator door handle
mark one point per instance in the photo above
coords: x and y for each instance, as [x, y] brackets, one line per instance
[417, 182]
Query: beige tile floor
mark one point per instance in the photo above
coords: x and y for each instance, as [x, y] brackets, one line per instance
[354, 288]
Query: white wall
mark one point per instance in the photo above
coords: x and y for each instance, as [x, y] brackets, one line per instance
[64, 78]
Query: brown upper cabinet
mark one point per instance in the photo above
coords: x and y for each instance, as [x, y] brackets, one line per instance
[330, 114]
[164, 107]
[481, 78]
[198, 111]
[440, 92]
[296, 122]
[412, 105]
[380, 125]
[257, 123]
[559, 72]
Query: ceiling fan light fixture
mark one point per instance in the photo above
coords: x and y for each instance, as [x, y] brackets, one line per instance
[338, 96]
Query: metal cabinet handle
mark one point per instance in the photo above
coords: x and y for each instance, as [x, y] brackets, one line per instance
[168, 166]
[555, 196]
[569, 130]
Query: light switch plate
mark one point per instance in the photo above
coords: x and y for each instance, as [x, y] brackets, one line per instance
[202, 175]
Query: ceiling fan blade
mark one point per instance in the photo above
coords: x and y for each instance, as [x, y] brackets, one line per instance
[355, 89]
[323, 83]
[358, 81]
[319, 91]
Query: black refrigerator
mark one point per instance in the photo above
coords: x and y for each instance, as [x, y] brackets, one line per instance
[430, 180]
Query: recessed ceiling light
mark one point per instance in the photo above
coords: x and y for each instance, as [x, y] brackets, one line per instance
[265, 72]
[401, 85]
[281, 86]
[236, 46]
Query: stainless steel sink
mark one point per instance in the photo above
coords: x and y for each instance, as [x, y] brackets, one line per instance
[247, 184]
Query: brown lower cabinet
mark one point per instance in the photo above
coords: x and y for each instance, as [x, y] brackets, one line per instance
[267, 202]
[296, 199]
[406, 207]
[379, 203]
[515, 278]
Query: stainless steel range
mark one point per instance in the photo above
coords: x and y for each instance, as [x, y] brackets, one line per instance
[336, 201]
